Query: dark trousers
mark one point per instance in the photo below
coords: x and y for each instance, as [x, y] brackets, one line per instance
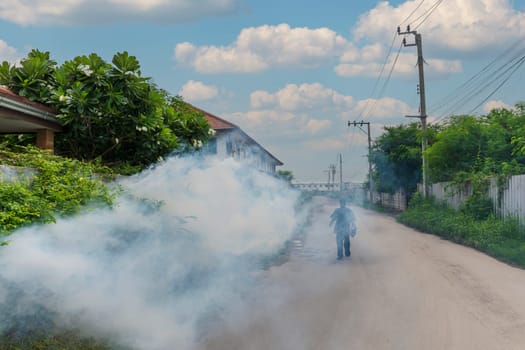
[342, 240]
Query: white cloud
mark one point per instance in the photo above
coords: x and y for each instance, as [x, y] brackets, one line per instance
[490, 105]
[259, 48]
[8, 53]
[300, 97]
[326, 144]
[194, 91]
[404, 67]
[267, 120]
[384, 108]
[313, 126]
[275, 123]
[456, 25]
[65, 12]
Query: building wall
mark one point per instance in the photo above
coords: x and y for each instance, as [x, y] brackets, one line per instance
[232, 143]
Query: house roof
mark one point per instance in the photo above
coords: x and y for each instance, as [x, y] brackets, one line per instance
[220, 124]
[18, 114]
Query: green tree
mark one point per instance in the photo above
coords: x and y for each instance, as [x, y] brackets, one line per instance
[109, 110]
[396, 156]
[286, 175]
[479, 147]
[461, 145]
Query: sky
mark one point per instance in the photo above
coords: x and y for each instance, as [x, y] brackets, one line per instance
[293, 73]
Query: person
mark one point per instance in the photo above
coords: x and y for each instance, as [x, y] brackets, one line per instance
[344, 220]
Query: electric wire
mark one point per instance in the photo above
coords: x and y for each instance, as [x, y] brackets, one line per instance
[387, 80]
[427, 14]
[365, 108]
[443, 102]
[476, 85]
[516, 65]
[413, 11]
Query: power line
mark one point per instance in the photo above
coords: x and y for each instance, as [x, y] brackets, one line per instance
[387, 80]
[516, 65]
[483, 80]
[411, 13]
[379, 76]
[443, 102]
[427, 13]
[365, 111]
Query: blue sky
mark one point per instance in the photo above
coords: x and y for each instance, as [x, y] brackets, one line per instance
[292, 73]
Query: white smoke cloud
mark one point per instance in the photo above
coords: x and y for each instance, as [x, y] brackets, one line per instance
[150, 274]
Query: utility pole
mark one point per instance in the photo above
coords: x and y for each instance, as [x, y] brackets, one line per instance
[340, 172]
[332, 168]
[371, 184]
[422, 100]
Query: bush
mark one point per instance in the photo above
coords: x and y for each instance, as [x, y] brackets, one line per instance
[472, 227]
[58, 187]
[478, 206]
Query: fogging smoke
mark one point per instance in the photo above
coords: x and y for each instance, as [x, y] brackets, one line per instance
[182, 243]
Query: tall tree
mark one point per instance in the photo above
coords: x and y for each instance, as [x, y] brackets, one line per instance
[458, 147]
[396, 156]
[110, 111]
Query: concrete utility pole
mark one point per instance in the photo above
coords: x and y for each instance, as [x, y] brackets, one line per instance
[332, 169]
[422, 100]
[371, 183]
[340, 172]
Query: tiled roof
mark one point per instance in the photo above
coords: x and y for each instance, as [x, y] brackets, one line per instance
[219, 124]
[8, 94]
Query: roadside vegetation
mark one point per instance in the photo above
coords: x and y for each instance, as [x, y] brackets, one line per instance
[110, 112]
[502, 239]
[44, 187]
[464, 149]
[116, 122]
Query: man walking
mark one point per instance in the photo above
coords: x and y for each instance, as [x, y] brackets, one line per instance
[344, 226]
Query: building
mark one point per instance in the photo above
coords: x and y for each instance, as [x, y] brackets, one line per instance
[232, 141]
[19, 115]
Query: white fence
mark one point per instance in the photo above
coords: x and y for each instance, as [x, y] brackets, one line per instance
[509, 201]
[395, 201]
[508, 197]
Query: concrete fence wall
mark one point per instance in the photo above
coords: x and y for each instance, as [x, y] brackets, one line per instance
[508, 197]
[396, 201]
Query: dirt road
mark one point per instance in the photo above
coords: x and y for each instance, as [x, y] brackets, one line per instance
[400, 290]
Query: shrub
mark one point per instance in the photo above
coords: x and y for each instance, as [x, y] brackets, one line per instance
[59, 187]
[503, 239]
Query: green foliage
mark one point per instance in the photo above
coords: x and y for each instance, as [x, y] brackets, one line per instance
[41, 341]
[478, 206]
[57, 187]
[286, 175]
[456, 148]
[502, 239]
[396, 156]
[32, 78]
[491, 145]
[110, 112]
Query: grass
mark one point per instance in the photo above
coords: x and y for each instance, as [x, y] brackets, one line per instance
[42, 341]
[502, 239]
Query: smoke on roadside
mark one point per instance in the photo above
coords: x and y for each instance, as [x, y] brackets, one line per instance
[185, 240]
